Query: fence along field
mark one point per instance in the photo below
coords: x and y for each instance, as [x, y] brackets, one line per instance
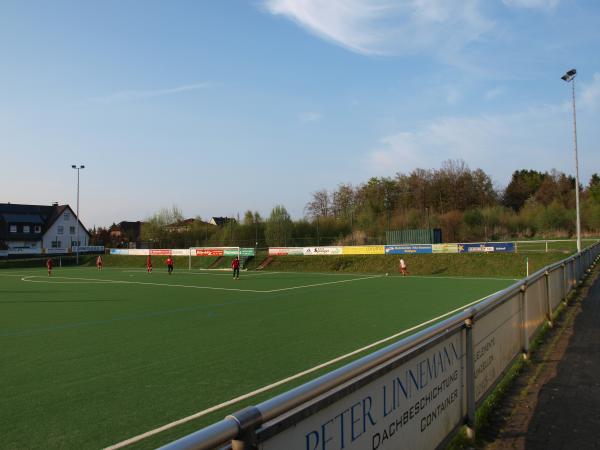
[390, 398]
[94, 358]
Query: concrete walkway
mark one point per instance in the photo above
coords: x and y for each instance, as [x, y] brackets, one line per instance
[556, 403]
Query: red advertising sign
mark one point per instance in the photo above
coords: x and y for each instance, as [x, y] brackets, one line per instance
[160, 252]
[209, 252]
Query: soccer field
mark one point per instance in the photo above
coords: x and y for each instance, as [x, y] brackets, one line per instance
[92, 358]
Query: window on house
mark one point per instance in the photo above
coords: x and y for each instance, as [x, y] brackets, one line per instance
[37, 229]
[56, 244]
[13, 228]
[72, 230]
[26, 229]
[60, 229]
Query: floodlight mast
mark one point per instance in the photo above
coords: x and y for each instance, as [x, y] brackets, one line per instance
[569, 77]
[77, 168]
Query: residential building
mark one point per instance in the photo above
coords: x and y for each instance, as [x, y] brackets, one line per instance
[40, 228]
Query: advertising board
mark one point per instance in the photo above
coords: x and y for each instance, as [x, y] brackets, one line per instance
[138, 252]
[415, 405]
[209, 252]
[497, 340]
[119, 251]
[160, 251]
[444, 248]
[88, 248]
[286, 251]
[403, 249]
[180, 252]
[489, 247]
[311, 251]
[363, 250]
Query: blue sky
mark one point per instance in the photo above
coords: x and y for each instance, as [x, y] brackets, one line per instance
[222, 106]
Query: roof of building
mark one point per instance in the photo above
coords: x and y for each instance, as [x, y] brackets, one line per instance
[44, 215]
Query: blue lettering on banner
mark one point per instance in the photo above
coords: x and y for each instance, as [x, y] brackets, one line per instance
[119, 251]
[404, 249]
[489, 247]
[429, 385]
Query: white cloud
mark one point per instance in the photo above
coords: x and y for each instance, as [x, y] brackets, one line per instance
[384, 27]
[590, 93]
[532, 4]
[499, 144]
[128, 96]
[310, 116]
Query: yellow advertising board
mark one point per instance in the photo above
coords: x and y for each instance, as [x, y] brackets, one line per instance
[364, 250]
[444, 248]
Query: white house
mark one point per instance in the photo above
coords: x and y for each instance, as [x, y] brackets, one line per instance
[40, 228]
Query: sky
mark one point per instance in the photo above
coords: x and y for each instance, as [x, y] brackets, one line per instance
[219, 107]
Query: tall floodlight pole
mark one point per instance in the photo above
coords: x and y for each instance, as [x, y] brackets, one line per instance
[77, 168]
[569, 77]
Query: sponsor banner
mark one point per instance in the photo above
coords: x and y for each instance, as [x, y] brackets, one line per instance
[209, 252]
[403, 249]
[119, 251]
[242, 252]
[489, 247]
[88, 248]
[54, 251]
[413, 406]
[26, 251]
[497, 340]
[286, 251]
[138, 252]
[160, 251]
[180, 252]
[364, 250]
[444, 248]
[3, 252]
[309, 251]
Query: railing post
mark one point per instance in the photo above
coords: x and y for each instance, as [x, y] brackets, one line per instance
[247, 419]
[564, 292]
[524, 329]
[548, 302]
[470, 425]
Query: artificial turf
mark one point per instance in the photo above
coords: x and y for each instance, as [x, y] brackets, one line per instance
[91, 358]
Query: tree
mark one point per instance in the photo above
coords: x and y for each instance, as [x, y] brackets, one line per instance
[319, 206]
[594, 188]
[278, 227]
[523, 185]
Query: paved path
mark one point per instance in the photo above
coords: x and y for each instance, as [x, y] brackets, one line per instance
[557, 404]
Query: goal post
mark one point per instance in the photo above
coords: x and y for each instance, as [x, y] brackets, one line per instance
[213, 251]
[240, 252]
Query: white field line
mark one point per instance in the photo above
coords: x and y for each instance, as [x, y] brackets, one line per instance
[233, 401]
[78, 280]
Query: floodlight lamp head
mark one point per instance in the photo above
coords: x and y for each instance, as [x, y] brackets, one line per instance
[74, 166]
[569, 75]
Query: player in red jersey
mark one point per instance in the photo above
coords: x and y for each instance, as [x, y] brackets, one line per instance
[235, 265]
[49, 265]
[149, 264]
[99, 262]
[170, 265]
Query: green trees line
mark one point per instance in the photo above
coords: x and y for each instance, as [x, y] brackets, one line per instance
[464, 203]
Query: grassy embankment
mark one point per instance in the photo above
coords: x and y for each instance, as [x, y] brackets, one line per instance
[476, 265]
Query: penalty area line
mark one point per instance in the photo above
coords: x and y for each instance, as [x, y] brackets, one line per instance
[254, 393]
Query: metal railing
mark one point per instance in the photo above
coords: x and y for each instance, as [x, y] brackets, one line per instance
[443, 371]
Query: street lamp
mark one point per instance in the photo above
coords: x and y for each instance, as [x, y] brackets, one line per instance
[570, 77]
[77, 168]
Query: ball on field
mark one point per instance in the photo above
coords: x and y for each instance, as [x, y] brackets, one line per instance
[386, 274]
